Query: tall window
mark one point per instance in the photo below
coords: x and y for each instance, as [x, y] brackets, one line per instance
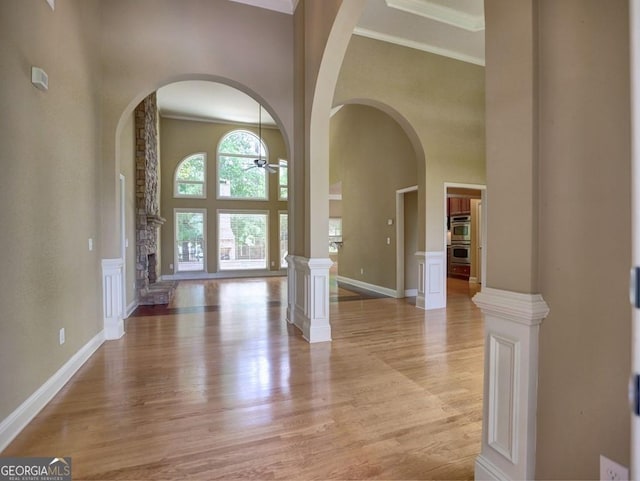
[242, 240]
[283, 180]
[190, 232]
[190, 177]
[335, 234]
[238, 176]
[284, 238]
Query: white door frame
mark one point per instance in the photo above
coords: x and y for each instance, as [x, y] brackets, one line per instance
[634, 17]
[483, 199]
[400, 253]
[123, 243]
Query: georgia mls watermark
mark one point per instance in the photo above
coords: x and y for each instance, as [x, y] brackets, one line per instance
[35, 469]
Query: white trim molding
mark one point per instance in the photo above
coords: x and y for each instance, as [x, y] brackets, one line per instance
[404, 42]
[112, 302]
[512, 323]
[420, 299]
[440, 13]
[432, 281]
[385, 291]
[435, 293]
[309, 287]
[18, 419]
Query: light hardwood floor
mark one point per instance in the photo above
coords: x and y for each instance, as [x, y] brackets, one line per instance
[219, 386]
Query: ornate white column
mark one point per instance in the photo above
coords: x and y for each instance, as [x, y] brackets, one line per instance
[308, 305]
[512, 323]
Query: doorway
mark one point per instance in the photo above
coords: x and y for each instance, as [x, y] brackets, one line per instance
[407, 242]
[464, 235]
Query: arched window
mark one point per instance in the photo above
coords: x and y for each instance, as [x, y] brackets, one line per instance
[190, 177]
[238, 175]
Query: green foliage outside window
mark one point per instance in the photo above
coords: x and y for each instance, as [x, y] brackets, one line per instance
[236, 156]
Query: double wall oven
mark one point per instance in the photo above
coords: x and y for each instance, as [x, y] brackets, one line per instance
[461, 239]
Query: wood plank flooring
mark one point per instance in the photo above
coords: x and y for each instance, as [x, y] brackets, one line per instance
[220, 386]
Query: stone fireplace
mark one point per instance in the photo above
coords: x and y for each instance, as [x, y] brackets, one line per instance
[148, 220]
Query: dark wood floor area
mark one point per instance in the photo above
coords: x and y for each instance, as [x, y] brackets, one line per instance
[219, 386]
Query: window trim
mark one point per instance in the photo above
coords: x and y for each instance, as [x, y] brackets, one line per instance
[280, 185]
[267, 235]
[176, 194]
[176, 211]
[244, 156]
[280, 256]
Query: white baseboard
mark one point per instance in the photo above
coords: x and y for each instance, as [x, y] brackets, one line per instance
[18, 419]
[194, 276]
[133, 305]
[385, 291]
[410, 292]
[487, 471]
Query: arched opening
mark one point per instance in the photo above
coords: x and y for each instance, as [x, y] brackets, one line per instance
[207, 209]
[374, 154]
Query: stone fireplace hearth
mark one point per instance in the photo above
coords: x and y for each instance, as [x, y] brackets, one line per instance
[150, 290]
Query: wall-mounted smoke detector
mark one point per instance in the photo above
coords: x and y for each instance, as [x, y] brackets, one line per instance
[39, 78]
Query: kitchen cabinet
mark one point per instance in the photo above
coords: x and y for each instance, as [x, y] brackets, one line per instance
[458, 206]
[462, 271]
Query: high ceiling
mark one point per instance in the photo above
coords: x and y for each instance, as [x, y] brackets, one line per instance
[453, 28]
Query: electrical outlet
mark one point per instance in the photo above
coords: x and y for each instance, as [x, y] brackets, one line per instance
[61, 336]
[170, 266]
[90, 244]
[361, 270]
[612, 471]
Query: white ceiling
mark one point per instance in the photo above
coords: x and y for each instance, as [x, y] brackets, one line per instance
[210, 101]
[453, 28]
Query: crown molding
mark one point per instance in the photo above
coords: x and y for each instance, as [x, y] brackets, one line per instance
[439, 13]
[363, 32]
[282, 6]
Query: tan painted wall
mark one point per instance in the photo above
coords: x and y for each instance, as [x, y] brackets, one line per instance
[187, 39]
[440, 103]
[511, 144]
[49, 152]
[372, 156]
[180, 138]
[584, 236]
[128, 169]
[327, 27]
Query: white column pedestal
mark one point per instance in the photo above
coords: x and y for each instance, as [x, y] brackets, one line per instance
[512, 322]
[308, 304]
[112, 300]
[432, 280]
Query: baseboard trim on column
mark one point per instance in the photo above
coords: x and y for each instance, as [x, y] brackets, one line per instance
[487, 471]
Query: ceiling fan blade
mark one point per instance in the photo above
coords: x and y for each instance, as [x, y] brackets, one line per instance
[274, 166]
[270, 169]
[250, 167]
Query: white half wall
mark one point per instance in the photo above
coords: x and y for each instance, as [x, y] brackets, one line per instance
[432, 280]
[309, 307]
[112, 301]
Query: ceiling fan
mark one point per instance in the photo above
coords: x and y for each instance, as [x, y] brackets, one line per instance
[261, 163]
